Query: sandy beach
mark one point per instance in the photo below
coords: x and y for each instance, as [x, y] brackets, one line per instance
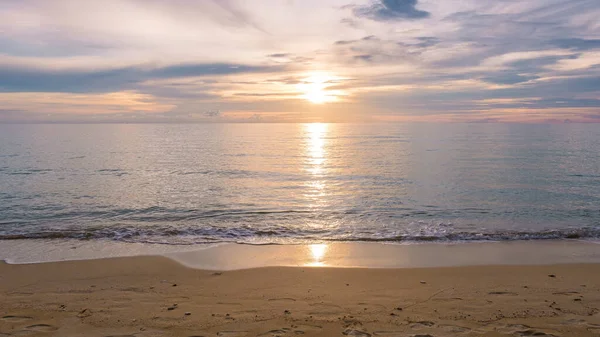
[156, 296]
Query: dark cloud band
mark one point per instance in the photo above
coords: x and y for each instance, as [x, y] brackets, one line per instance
[385, 10]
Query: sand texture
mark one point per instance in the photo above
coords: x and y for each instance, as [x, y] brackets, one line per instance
[154, 296]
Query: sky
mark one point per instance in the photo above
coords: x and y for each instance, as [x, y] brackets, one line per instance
[300, 61]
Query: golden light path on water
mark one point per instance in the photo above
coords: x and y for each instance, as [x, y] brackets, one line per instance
[315, 164]
[316, 153]
[316, 160]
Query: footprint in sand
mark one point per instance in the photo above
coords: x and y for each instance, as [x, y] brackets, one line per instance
[566, 293]
[453, 328]
[296, 330]
[324, 309]
[232, 333]
[591, 327]
[229, 303]
[300, 329]
[325, 305]
[355, 333]
[283, 299]
[522, 330]
[511, 328]
[532, 332]
[16, 319]
[389, 333]
[446, 299]
[275, 333]
[41, 328]
[422, 324]
[509, 293]
[594, 330]
[307, 327]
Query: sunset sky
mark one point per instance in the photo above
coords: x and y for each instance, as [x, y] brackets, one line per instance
[299, 60]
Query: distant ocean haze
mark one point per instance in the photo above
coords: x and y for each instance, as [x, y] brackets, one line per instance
[295, 183]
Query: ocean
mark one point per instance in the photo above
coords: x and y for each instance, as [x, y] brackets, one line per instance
[184, 184]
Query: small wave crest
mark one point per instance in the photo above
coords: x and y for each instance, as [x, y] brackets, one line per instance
[24, 172]
[247, 235]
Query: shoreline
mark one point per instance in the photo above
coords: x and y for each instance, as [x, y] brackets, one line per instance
[230, 256]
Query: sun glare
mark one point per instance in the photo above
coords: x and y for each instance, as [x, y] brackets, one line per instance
[317, 251]
[314, 88]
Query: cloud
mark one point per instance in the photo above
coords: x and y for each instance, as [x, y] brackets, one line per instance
[212, 113]
[514, 57]
[366, 38]
[364, 57]
[47, 80]
[577, 44]
[350, 22]
[422, 42]
[480, 60]
[387, 10]
[193, 70]
[509, 78]
[344, 42]
[67, 105]
[279, 55]
[583, 62]
[593, 116]
[238, 14]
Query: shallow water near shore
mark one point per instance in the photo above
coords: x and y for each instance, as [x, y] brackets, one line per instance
[341, 255]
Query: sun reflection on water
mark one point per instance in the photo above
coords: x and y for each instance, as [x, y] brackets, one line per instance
[315, 163]
[316, 133]
[317, 252]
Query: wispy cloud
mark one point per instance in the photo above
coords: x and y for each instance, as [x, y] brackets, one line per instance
[106, 80]
[577, 44]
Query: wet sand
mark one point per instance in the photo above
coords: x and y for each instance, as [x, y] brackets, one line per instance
[156, 296]
[231, 256]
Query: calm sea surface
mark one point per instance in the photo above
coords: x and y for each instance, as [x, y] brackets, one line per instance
[289, 183]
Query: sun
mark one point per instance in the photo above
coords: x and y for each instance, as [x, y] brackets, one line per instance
[316, 95]
[314, 88]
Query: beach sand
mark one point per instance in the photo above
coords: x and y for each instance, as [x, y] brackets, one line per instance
[156, 296]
